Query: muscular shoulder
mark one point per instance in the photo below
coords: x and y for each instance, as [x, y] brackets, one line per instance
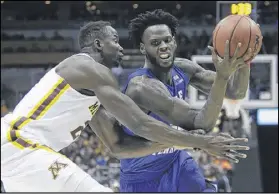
[150, 94]
[84, 72]
[136, 86]
[142, 89]
[187, 66]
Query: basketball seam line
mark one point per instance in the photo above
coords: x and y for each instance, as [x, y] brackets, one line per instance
[214, 40]
[249, 39]
[233, 33]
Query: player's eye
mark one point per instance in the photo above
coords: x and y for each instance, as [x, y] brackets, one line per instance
[168, 40]
[155, 43]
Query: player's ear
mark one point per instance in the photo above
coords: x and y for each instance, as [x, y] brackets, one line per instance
[142, 49]
[98, 44]
[174, 41]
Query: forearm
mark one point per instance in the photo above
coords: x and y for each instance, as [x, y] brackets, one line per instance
[208, 115]
[135, 149]
[238, 84]
[170, 137]
[117, 141]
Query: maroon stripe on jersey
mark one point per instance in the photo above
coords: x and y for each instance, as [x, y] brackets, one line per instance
[19, 122]
[19, 140]
[48, 100]
[34, 116]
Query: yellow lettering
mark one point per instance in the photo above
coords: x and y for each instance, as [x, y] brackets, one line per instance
[93, 109]
[241, 8]
[234, 9]
[248, 8]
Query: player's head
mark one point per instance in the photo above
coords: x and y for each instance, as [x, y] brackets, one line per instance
[101, 37]
[155, 33]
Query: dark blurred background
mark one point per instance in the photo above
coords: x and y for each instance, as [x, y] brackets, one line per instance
[37, 35]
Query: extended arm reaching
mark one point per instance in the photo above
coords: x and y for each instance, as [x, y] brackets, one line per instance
[119, 143]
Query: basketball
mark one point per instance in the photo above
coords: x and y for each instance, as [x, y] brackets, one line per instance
[238, 28]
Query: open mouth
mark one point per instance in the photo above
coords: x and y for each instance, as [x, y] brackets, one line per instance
[164, 56]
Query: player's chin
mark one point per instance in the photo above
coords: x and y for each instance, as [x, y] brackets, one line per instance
[166, 63]
[117, 63]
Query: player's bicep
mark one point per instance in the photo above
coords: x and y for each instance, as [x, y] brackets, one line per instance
[200, 78]
[151, 95]
[203, 80]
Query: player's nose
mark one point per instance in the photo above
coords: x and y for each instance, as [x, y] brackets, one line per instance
[121, 49]
[163, 47]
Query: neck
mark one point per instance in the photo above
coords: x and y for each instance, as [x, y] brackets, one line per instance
[94, 54]
[160, 73]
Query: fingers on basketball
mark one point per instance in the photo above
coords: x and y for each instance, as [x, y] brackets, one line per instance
[227, 50]
[235, 56]
[214, 55]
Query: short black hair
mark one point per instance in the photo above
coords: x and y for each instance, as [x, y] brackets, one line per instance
[91, 31]
[139, 24]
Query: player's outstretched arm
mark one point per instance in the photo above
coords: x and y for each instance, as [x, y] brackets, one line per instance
[83, 72]
[152, 95]
[203, 79]
[121, 145]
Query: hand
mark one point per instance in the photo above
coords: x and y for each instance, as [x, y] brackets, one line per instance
[227, 66]
[220, 146]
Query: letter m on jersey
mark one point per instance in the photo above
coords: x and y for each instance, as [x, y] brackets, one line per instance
[55, 168]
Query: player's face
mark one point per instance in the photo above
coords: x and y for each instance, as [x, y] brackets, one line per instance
[159, 46]
[112, 52]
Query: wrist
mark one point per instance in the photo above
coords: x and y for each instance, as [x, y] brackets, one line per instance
[200, 142]
[222, 77]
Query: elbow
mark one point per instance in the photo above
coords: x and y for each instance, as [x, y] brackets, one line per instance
[117, 152]
[236, 96]
[120, 154]
[240, 95]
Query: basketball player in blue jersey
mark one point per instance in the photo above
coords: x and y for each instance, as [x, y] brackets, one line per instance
[159, 88]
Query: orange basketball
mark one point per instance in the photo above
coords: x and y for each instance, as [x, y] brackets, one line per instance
[238, 28]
